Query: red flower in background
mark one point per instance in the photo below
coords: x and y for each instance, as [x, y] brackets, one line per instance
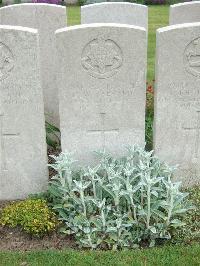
[150, 87]
[150, 96]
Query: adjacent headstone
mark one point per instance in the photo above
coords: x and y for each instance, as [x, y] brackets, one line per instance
[88, 2]
[46, 18]
[101, 80]
[125, 13]
[23, 164]
[184, 13]
[177, 101]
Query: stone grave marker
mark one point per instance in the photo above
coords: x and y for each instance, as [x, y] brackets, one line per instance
[101, 88]
[88, 2]
[184, 13]
[23, 159]
[125, 13]
[177, 100]
[46, 18]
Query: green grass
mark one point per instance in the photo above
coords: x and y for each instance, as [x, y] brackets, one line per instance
[158, 17]
[167, 256]
[73, 15]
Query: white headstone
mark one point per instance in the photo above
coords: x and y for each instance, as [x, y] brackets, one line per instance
[101, 88]
[23, 164]
[177, 101]
[46, 18]
[184, 13]
[125, 13]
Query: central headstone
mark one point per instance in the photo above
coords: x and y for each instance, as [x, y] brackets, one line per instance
[177, 101]
[23, 159]
[124, 13]
[46, 19]
[101, 88]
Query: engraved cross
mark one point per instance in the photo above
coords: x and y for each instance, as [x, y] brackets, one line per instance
[103, 129]
[2, 143]
[197, 138]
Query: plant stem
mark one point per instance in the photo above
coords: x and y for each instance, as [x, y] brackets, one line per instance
[83, 202]
[94, 187]
[134, 209]
[148, 205]
[170, 209]
[90, 241]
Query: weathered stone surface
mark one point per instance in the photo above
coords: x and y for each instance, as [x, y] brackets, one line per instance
[46, 18]
[23, 165]
[177, 102]
[125, 13]
[88, 2]
[184, 13]
[101, 88]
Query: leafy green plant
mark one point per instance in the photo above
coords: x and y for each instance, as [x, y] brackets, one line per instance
[82, 2]
[191, 230]
[52, 135]
[33, 215]
[118, 203]
[42, 196]
[155, 2]
[149, 115]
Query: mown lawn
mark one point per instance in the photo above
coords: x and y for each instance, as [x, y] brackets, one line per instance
[158, 17]
[166, 256]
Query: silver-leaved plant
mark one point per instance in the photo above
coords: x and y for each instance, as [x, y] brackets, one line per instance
[120, 202]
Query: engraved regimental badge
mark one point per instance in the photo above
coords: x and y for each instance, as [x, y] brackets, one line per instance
[192, 57]
[6, 61]
[101, 58]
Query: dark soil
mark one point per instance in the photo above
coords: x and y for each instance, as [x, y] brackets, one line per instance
[51, 151]
[15, 239]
